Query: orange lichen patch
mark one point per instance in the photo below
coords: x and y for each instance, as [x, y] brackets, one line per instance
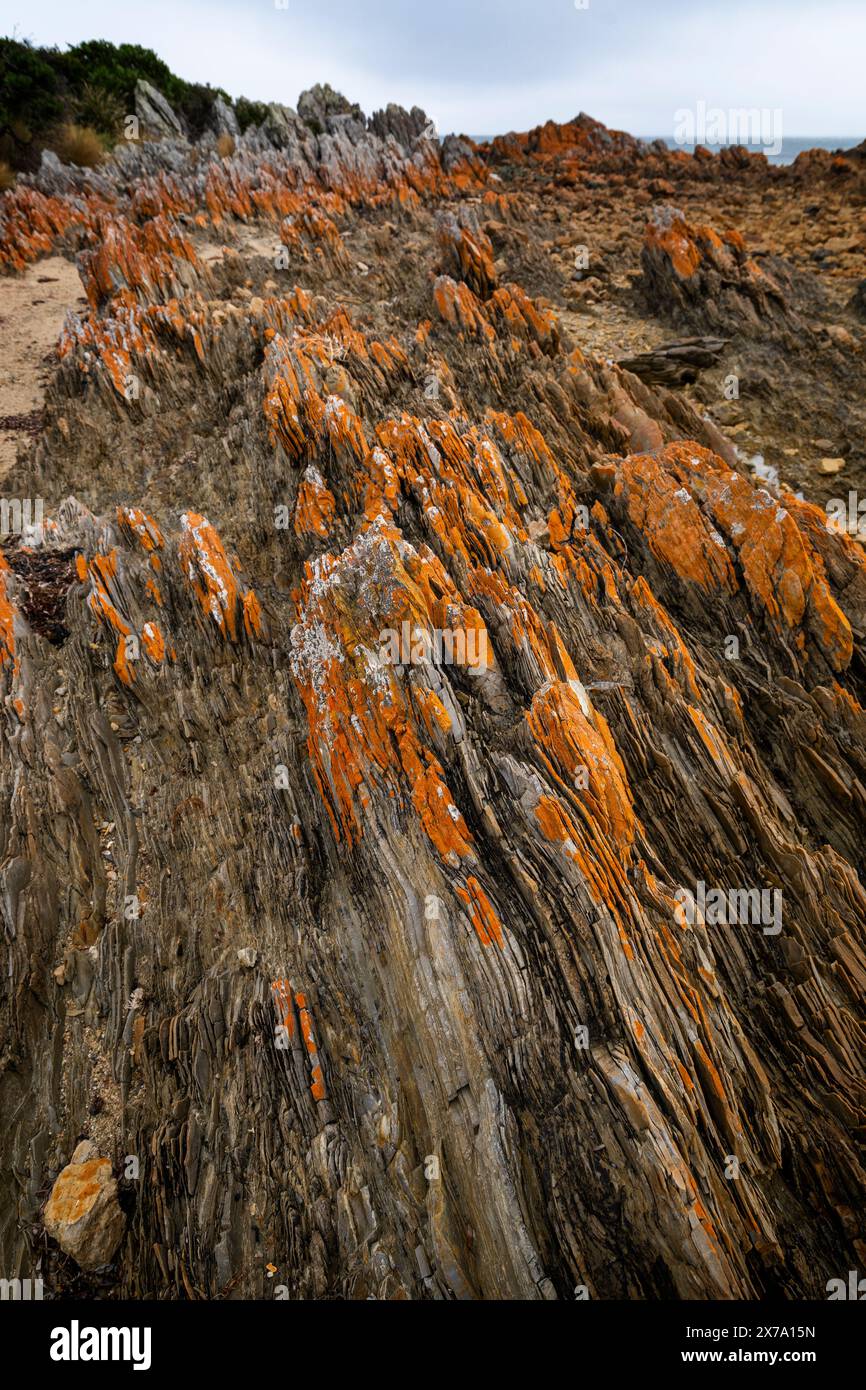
[844, 561]
[362, 731]
[104, 600]
[151, 587]
[676, 531]
[508, 312]
[469, 498]
[524, 317]
[314, 509]
[481, 914]
[469, 254]
[317, 1083]
[121, 662]
[313, 235]
[137, 524]
[140, 258]
[129, 330]
[431, 709]
[7, 620]
[671, 645]
[431, 798]
[591, 853]
[251, 610]
[344, 429]
[459, 307]
[576, 745]
[284, 404]
[76, 1190]
[677, 240]
[153, 642]
[213, 580]
[781, 569]
[539, 643]
[31, 223]
[281, 993]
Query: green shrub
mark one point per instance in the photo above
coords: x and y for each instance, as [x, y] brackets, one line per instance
[91, 85]
[101, 109]
[249, 112]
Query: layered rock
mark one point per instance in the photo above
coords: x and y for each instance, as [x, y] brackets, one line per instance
[391, 672]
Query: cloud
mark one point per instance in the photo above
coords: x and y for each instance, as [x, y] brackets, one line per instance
[484, 66]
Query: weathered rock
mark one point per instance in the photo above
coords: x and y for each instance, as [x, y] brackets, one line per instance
[318, 105]
[224, 120]
[154, 112]
[392, 670]
[83, 1213]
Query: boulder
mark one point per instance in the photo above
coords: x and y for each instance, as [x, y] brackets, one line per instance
[83, 1213]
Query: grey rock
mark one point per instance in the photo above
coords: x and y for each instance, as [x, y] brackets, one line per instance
[153, 111]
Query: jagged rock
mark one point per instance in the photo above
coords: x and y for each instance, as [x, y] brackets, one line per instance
[701, 279]
[154, 112]
[675, 364]
[83, 1213]
[392, 669]
[404, 126]
[318, 105]
[224, 120]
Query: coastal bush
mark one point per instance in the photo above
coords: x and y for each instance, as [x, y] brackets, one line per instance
[79, 144]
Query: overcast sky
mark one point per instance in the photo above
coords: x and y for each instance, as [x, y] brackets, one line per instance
[486, 66]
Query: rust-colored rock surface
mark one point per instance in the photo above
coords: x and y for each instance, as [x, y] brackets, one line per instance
[433, 765]
[83, 1213]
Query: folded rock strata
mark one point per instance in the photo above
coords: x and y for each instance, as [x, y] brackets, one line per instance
[377, 966]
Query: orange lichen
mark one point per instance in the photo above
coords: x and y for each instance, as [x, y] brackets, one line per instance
[212, 578]
[481, 914]
[314, 509]
[577, 746]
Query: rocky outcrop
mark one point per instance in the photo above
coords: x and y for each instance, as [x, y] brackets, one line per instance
[434, 769]
[224, 120]
[699, 279]
[154, 113]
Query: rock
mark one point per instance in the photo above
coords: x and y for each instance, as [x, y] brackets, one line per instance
[83, 1213]
[422, 665]
[223, 120]
[319, 104]
[154, 112]
[695, 276]
[858, 300]
[831, 465]
[404, 126]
